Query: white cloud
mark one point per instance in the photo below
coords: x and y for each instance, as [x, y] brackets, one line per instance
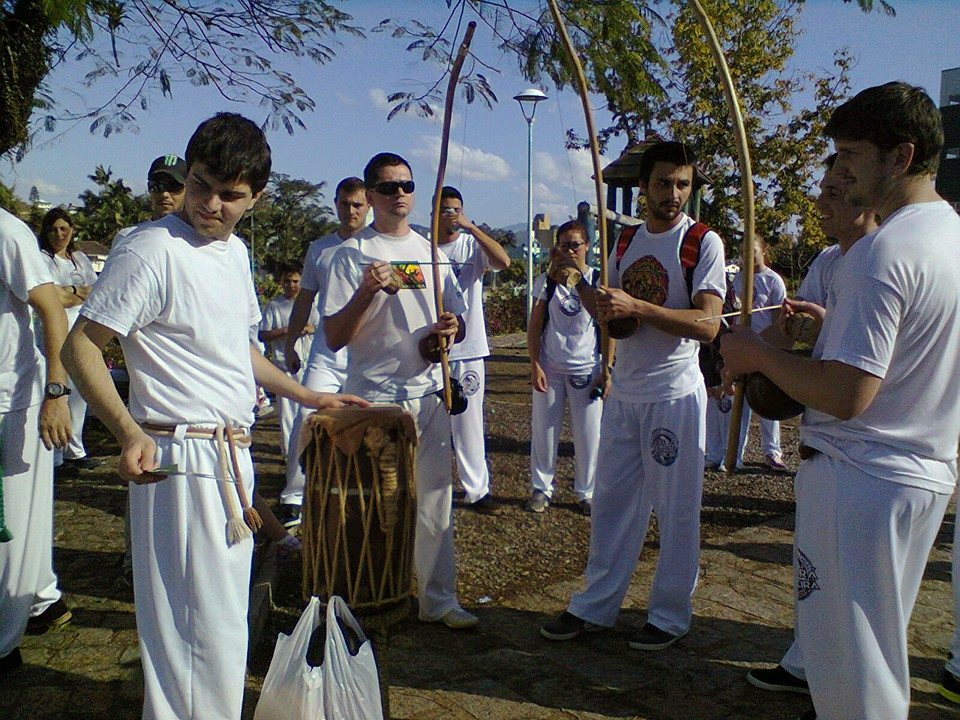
[561, 183]
[48, 191]
[379, 98]
[476, 164]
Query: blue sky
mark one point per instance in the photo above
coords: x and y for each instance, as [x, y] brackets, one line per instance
[488, 150]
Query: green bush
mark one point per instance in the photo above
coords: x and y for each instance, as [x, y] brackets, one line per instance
[505, 308]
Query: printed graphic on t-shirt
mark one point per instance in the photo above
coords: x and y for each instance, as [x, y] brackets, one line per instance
[457, 268]
[664, 446]
[806, 577]
[570, 305]
[647, 279]
[410, 275]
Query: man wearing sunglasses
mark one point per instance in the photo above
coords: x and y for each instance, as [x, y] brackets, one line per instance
[380, 305]
[165, 185]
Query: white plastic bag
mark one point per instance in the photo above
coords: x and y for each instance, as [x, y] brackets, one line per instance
[351, 688]
[343, 687]
[292, 689]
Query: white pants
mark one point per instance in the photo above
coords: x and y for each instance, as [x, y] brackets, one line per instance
[319, 377]
[469, 444]
[28, 509]
[78, 416]
[433, 550]
[953, 665]
[718, 431]
[769, 434]
[861, 547]
[191, 588]
[288, 414]
[547, 421]
[651, 458]
[48, 588]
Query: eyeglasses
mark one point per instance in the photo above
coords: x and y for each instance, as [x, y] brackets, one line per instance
[571, 246]
[392, 187]
[162, 185]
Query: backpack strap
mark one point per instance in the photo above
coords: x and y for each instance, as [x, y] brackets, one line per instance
[690, 252]
[623, 242]
[549, 291]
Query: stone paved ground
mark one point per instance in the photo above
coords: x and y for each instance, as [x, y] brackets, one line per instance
[503, 670]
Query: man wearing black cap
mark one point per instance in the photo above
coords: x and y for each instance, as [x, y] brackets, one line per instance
[165, 185]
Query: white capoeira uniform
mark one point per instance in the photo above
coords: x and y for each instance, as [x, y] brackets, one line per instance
[880, 483]
[384, 365]
[183, 307]
[323, 370]
[571, 362]
[953, 664]
[27, 465]
[467, 365]
[652, 441]
[276, 315]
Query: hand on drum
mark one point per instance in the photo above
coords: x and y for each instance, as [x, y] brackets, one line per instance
[376, 276]
[321, 401]
[792, 307]
[614, 303]
[739, 348]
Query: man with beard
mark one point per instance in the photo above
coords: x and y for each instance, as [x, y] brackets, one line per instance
[652, 433]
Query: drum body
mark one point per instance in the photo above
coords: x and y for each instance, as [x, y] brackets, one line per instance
[359, 507]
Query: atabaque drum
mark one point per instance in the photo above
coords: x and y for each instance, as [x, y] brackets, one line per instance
[359, 506]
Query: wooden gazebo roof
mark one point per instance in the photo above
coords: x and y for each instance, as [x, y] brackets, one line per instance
[625, 170]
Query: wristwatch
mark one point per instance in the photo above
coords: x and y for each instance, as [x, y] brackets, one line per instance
[56, 390]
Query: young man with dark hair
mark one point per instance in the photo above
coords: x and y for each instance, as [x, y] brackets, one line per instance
[879, 436]
[383, 331]
[652, 433]
[180, 297]
[321, 369]
[34, 418]
[472, 253]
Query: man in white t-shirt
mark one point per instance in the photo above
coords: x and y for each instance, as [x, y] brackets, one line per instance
[879, 436]
[845, 223]
[165, 180]
[34, 418]
[274, 330]
[652, 434]
[180, 297]
[471, 253]
[383, 332]
[325, 370]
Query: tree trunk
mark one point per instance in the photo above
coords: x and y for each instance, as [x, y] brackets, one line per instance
[24, 57]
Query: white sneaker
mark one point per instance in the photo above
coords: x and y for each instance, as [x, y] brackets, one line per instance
[459, 619]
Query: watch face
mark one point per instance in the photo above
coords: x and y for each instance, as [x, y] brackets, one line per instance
[56, 390]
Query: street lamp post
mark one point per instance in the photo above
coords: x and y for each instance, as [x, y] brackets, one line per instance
[528, 100]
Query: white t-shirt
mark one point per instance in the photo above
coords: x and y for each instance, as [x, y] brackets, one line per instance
[316, 271]
[78, 271]
[768, 289]
[276, 315]
[568, 344]
[815, 287]
[384, 362]
[469, 263]
[183, 306]
[652, 365]
[22, 268]
[894, 312]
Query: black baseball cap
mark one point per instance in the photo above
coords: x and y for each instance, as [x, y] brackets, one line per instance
[172, 165]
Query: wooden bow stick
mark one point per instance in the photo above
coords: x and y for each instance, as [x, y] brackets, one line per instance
[435, 223]
[583, 90]
[746, 187]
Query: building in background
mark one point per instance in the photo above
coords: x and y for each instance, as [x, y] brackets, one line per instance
[948, 177]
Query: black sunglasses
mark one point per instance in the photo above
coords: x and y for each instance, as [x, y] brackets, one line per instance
[162, 185]
[392, 187]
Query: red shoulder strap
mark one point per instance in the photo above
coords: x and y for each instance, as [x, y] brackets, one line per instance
[623, 242]
[690, 245]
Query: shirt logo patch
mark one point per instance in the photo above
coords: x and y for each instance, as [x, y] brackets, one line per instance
[578, 381]
[807, 580]
[725, 404]
[410, 274]
[470, 381]
[664, 446]
[647, 279]
[570, 305]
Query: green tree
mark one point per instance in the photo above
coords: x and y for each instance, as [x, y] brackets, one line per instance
[109, 208]
[142, 48]
[11, 203]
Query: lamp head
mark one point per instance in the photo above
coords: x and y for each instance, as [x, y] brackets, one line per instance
[528, 100]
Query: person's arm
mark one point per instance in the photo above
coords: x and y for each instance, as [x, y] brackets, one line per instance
[615, 303]
[829, 386]
[83, 357]
[588, 297]
[299, 321]
[272, 378]
[341, 327]
[538, 378]
[71, 295]
[496, 255]
[54, 412]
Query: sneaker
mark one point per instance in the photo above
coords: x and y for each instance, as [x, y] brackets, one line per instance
[55, 616]
[486, 506]
[459, 619]
[778, 679]
[10, 662]
[651, 637]
[289, 515]
[66, 470]
[774, 461]
[715, 467]
[585, 507]
[950, 687]
[538, 502]
[567, 626]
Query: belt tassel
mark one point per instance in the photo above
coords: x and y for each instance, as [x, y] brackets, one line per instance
[237, 529]
[250, 514]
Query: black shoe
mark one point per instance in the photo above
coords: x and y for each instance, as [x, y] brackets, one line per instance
[778, 679]
[567, 626]
[66, 470]
[55, 616]
[651, 637]
[486, 506]
[84, 463]
[289, 515]
[810, 714]
[10, 662]
[950, 687]
[585, 507]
